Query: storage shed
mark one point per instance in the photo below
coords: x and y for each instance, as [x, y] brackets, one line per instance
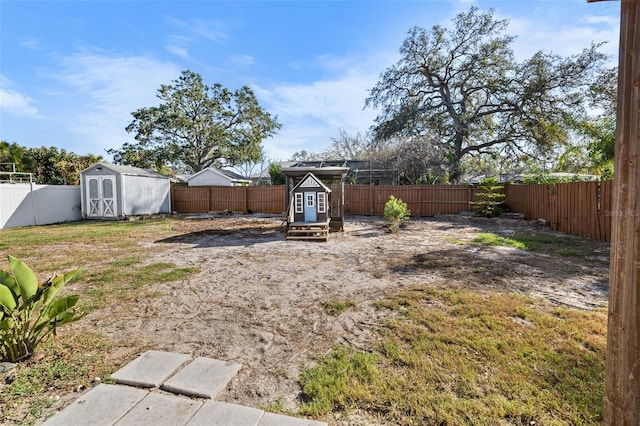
[112, 191]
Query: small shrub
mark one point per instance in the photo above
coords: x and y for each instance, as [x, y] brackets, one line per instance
[29, 311]
[395, 212]
[490, 198]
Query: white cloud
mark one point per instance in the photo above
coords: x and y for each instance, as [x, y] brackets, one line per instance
[313, 113]
[550, 29]
[178, 51]
[101, 91]
[242, 60]
[14, 102]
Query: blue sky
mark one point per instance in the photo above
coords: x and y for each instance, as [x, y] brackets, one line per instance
[71, 72]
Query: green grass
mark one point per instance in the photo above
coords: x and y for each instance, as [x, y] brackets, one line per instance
[335, 308]
[63, 365]
[114, 269]
[557, 244]
[496, 240]
[457, 358]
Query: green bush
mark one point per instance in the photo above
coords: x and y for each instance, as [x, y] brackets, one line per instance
[395, 212]
[29, 311]
[490, 198]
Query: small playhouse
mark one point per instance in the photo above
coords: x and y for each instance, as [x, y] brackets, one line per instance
[110, 191]
[315, 201]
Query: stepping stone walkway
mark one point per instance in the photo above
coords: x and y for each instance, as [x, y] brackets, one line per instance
[168, 388]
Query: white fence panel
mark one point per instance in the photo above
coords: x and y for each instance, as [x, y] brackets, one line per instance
[24, 204]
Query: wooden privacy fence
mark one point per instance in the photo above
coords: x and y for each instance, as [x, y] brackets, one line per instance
[422, 200]
[576, 208]
[359, 199]
[245, 199]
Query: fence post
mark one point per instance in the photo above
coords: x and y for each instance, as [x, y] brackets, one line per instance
[622, 387]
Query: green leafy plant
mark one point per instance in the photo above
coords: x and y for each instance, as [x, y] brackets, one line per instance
[395, 212]
[490, 198]
[29, 311]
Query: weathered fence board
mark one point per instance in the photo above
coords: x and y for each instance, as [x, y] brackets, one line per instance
[576, 208]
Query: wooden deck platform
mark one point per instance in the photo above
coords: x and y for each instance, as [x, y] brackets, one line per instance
[308, 231]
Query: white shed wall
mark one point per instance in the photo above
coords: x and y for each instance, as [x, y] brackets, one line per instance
[23, 204]
[145, 195]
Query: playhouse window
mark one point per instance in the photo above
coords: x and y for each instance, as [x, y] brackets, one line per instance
[298, 203]
[322, 202]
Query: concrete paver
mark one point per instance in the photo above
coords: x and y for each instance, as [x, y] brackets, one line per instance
[271, 419]
[202, 377]
[150, 369]
[217, 413]
[102, 405]
[160, 409]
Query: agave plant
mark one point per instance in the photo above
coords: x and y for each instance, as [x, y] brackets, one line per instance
[29, 311]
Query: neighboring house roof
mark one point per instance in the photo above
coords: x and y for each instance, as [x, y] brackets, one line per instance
[233, 177]
[126, 170]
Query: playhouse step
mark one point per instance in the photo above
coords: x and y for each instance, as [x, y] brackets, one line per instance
[308, 237]
[307, 231]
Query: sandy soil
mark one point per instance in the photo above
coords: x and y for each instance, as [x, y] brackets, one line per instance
[259, 300]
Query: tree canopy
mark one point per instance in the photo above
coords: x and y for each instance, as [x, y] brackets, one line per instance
[197, 126]
[49, 166]
[464, 85]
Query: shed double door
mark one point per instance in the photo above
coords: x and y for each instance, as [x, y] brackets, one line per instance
[101, 196]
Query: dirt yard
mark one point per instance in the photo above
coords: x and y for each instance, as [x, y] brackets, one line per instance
[261, 301]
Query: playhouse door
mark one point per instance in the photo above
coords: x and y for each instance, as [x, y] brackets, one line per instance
[310, 214]
[101, 196]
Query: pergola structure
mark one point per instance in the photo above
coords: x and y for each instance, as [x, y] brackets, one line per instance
[622, 391]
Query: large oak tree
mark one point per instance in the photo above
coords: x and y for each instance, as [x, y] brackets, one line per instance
[465, 85]
[197, 126]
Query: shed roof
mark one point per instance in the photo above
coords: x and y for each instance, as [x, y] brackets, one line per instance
[127, 170]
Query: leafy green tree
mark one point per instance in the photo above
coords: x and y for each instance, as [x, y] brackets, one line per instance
[50, 166]
[490, 198]
[464, 84]
[600, 131]
[59, 167]
[197, 126]
[17, 155]
[275, 172]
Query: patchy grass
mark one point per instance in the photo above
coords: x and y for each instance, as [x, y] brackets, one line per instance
[335, 308]
[558, 244]
[457, 358]
[113, 270]
[496, 240]
[58, 368]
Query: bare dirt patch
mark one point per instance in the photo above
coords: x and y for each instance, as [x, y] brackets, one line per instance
[266, 303]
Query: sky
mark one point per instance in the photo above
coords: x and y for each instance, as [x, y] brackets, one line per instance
[72, 72]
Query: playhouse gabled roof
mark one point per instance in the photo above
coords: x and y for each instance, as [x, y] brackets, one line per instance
[310, 180]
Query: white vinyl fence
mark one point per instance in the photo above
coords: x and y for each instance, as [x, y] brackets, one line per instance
[24, 204]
